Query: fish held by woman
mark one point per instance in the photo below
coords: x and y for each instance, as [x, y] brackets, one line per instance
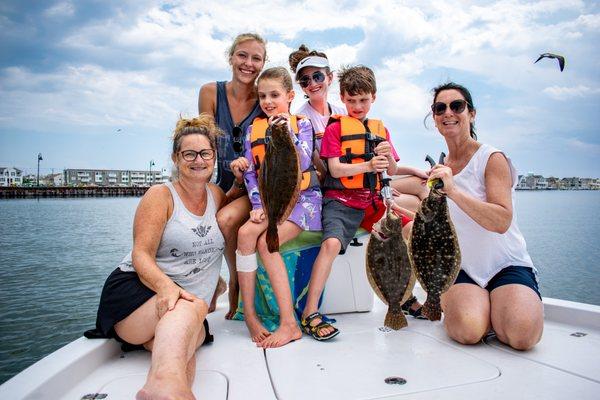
[433, 249]
[279, 179]
[388, 268]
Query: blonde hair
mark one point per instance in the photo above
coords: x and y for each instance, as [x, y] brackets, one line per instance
[279, 73]
[356, 80]
[244, 37]
[204, 124]
[300, 54]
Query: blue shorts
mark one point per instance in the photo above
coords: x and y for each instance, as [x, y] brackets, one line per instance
[509, 275]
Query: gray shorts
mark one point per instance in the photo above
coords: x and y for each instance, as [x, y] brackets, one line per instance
[339, 221]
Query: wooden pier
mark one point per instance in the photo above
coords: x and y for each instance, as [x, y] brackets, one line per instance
[21, 192]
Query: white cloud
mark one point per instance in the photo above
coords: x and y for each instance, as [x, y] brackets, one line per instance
[63, 9]
[579, 145]
[567, 93]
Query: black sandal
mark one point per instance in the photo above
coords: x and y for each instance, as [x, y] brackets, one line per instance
[407, 310]
[314, 330]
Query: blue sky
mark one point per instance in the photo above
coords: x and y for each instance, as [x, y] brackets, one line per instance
[72, 74]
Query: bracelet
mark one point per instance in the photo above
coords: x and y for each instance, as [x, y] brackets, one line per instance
[240, 186]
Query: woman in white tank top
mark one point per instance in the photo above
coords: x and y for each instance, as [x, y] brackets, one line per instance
[158, 296]
[497, 286]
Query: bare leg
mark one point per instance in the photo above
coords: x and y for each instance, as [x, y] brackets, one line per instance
[288, 328]
[248, 236]
[466, 312]
[330, 249]
[173, 340]
[517, 316]
[230, 218]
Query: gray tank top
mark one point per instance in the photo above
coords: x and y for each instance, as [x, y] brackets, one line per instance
[224, 120]
[191, 248]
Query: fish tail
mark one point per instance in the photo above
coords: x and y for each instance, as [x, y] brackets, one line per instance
[395, 320]
[432, 309]
[272, 237]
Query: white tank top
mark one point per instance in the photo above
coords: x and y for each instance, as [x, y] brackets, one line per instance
[485, 253]
[191, 248]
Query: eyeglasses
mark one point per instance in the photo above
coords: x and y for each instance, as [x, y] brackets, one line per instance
[317, 77]
[238, 143]
[191, 155]
[457, 106]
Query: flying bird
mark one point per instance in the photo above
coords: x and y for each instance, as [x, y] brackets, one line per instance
[561, 59]
[119, 130]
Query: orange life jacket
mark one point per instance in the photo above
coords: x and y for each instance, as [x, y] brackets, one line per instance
[258, 148]
[358, 140]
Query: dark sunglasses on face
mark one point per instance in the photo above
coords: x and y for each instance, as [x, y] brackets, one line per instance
[191, 155]
[317, 77]
[457, 106]
[237, 144]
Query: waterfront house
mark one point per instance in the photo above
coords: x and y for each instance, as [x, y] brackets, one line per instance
[11, 176]
[111, 177]
[53, 180]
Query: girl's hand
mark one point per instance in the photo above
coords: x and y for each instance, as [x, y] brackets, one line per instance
[257, 216]
[319, 135]
[444, 173]
[167, 296]
[281, 118]
[238, 167]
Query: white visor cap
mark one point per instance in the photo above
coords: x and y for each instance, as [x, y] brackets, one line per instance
[311, 61]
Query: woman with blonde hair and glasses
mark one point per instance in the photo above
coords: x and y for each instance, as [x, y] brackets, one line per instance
[158, 295]
[234, 104]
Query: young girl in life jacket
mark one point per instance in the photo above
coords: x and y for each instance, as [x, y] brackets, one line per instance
[275, 94]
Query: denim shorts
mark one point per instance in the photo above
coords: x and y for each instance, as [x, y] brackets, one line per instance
[509, 275]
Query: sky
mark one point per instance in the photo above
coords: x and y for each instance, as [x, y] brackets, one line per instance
[100, 84]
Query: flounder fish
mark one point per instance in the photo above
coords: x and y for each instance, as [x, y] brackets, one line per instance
[278, 180]
[388, 268]
[433, 250]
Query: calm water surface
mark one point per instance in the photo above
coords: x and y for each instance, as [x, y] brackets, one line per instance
[56, 253]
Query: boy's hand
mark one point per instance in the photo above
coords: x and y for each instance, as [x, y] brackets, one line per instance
[257, 216]
[383, 149]
[238, 167]
[379, 163]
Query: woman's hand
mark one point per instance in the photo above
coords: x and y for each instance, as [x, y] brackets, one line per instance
[238, 167]
[257, 216]
[167, 296]
[444, 173]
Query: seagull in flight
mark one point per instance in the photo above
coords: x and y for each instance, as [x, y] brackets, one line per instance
[561, 59]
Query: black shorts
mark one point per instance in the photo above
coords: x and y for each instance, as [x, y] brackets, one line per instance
[509, 275]
[339, 221]
[122, 294]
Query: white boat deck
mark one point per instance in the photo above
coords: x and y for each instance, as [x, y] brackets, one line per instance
[564, 365]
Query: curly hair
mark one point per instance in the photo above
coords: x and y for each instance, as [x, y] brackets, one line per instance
[204, 124]
[300, 54]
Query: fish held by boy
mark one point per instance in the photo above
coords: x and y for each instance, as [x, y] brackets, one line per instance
[279, 180]
[433, 249]
[388, 268]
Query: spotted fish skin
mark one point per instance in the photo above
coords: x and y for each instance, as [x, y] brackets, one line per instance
[279, 181]
[434, 251]
[389, 270]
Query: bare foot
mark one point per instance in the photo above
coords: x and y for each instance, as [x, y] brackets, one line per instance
[282, 336]
[221, 288]
[257, 331]
[234, 291]
[165, 389]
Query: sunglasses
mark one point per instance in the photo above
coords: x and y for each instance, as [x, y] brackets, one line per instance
[317, 77]
[238, 142]
[457, 106]
[191, 155]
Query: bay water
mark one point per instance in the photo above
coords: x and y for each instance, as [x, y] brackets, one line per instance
[56, 253]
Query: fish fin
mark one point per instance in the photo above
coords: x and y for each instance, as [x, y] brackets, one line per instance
[395, 320]
[272, 237]
[432, 309]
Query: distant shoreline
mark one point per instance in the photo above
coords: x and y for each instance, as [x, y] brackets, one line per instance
[22, 192]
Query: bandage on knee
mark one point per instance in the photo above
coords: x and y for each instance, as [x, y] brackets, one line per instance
[245, 263]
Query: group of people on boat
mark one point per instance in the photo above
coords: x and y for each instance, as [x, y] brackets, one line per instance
[160, 294]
